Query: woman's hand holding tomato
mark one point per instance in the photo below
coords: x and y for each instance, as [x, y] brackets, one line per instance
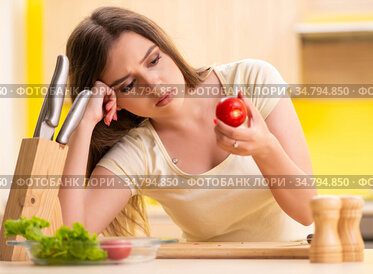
[232, 111]
[102, 104]
[253, 140]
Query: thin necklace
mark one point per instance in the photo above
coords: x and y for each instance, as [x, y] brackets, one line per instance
[174, 160]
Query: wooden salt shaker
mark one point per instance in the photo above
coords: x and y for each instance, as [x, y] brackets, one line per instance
[349, 228]
[326, 245]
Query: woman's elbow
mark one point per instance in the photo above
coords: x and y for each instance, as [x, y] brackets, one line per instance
[306, 221]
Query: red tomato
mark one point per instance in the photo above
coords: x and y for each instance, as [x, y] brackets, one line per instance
[116, 249]
[232, 111]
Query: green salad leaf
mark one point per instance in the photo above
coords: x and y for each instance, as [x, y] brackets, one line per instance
[67, 244]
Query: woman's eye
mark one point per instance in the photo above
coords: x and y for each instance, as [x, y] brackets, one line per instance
[155, 61]
[129, 87]
[126, 88]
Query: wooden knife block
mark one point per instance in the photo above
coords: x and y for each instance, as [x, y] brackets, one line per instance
[45, 159]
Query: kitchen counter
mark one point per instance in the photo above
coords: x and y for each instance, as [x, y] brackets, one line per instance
[201, 266]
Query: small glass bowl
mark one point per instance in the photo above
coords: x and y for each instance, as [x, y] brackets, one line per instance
[119, 250]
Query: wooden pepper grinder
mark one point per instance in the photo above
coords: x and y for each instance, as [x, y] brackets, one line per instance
[326, 245]
[349, 228]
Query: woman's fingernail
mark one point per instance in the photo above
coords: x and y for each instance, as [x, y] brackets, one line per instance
[108, 107]
[215, 121]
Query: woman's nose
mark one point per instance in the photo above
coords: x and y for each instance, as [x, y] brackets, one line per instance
[152, 83]
[150, 79]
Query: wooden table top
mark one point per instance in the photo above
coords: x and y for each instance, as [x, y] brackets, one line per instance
[201, 266]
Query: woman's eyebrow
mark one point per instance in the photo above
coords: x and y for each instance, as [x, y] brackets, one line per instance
[116, 82]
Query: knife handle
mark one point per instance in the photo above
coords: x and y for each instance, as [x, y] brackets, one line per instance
[74, 116]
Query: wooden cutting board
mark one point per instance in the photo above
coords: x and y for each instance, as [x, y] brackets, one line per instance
[234, 250]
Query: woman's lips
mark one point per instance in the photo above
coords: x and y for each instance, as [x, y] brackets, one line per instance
[165, 99]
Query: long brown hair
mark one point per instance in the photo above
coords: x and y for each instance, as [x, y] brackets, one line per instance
[87, 49]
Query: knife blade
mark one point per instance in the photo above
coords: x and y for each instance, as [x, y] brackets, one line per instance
[52, 105]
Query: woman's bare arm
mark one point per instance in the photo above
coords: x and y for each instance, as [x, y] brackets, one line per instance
[279, 149]
[72, 194]
[103, 203]
[94, 208]
[289, 155]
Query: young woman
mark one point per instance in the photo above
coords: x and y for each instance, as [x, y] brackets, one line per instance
[115, 52]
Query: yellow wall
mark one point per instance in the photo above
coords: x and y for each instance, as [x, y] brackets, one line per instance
[339, 134]
[34, 61]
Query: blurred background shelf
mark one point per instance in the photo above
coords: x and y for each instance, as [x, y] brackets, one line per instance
[329, 31]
